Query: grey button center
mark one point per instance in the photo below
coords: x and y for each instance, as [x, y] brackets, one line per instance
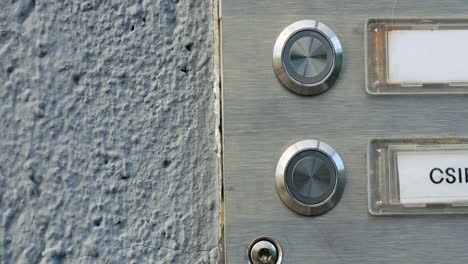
[308, 56]
[311, 177]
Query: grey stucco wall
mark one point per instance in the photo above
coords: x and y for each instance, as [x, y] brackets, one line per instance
[108, 132]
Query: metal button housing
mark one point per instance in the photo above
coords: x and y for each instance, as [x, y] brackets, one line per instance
[310, 177]
[307, 57]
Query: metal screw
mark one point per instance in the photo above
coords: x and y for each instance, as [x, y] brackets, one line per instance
[264, 256]
[263, 251]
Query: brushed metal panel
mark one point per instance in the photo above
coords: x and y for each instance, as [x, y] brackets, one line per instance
[262, 118]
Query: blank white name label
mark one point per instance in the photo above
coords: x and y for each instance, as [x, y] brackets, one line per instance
[433, 176]
[428, 56]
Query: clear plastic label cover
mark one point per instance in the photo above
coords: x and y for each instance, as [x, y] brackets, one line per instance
[417, 56]
[418, 176]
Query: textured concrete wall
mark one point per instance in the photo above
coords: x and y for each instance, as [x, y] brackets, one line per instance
[108, 149]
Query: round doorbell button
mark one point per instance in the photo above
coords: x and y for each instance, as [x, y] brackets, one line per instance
[307, 57]
[310, 177]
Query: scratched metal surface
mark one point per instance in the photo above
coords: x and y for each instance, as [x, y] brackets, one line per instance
[261, 119]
